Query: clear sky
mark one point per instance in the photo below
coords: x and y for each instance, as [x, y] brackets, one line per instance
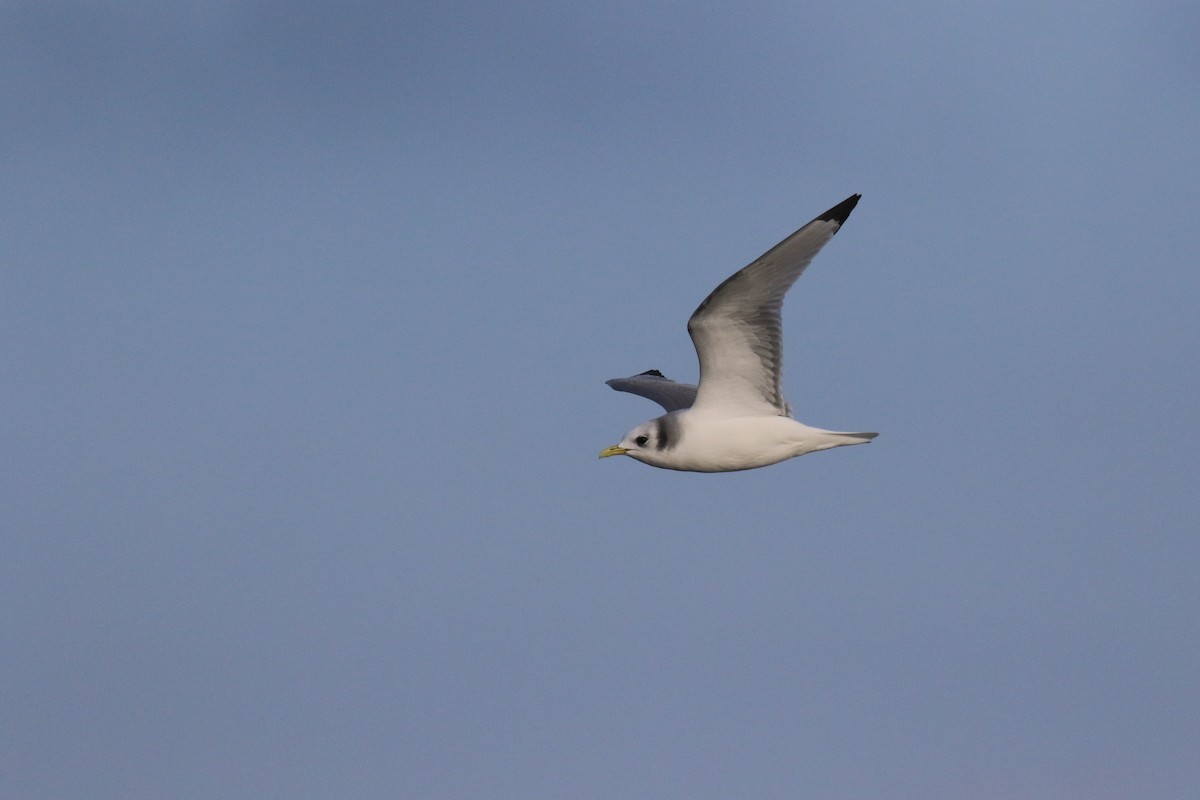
[307, 310]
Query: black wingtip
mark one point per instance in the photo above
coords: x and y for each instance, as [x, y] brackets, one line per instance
[842, 210]
[653, 372]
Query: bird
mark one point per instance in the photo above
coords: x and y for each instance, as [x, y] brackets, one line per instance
[737, 417]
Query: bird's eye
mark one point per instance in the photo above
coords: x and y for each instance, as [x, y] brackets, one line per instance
[641, 440]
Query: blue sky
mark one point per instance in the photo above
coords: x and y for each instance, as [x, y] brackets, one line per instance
[307, 314]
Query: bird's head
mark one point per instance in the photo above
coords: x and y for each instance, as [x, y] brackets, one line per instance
[644, 443]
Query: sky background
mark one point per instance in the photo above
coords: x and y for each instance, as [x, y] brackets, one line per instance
[306, 312]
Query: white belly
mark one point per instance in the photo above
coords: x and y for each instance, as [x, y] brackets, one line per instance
[725, 444]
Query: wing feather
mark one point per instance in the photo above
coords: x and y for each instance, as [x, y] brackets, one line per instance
[737, 330]
[653, 385]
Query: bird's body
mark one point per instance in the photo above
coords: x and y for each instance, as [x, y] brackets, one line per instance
[736, 418]
[719, 443]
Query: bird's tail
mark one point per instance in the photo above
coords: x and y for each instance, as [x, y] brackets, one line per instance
[851, 438]
[819, 439]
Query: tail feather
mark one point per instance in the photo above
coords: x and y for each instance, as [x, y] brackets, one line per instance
[820, 439]
[854, 438]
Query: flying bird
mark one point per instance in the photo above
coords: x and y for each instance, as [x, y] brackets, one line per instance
[737, 417]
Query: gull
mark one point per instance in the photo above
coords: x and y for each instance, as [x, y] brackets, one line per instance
[736, 418]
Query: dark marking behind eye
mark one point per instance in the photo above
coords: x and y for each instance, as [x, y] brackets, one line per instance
[660, 430]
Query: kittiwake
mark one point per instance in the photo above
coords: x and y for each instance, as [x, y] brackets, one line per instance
[737, 417]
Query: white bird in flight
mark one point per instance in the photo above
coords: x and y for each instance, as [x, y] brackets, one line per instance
[736, 418]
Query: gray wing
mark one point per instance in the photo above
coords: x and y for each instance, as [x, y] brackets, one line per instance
[653, 385]
[737, 329]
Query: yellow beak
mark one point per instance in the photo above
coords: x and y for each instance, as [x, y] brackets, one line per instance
[615, 450]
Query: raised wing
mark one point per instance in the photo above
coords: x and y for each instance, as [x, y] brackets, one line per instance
[653, 385]
[737, 329]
